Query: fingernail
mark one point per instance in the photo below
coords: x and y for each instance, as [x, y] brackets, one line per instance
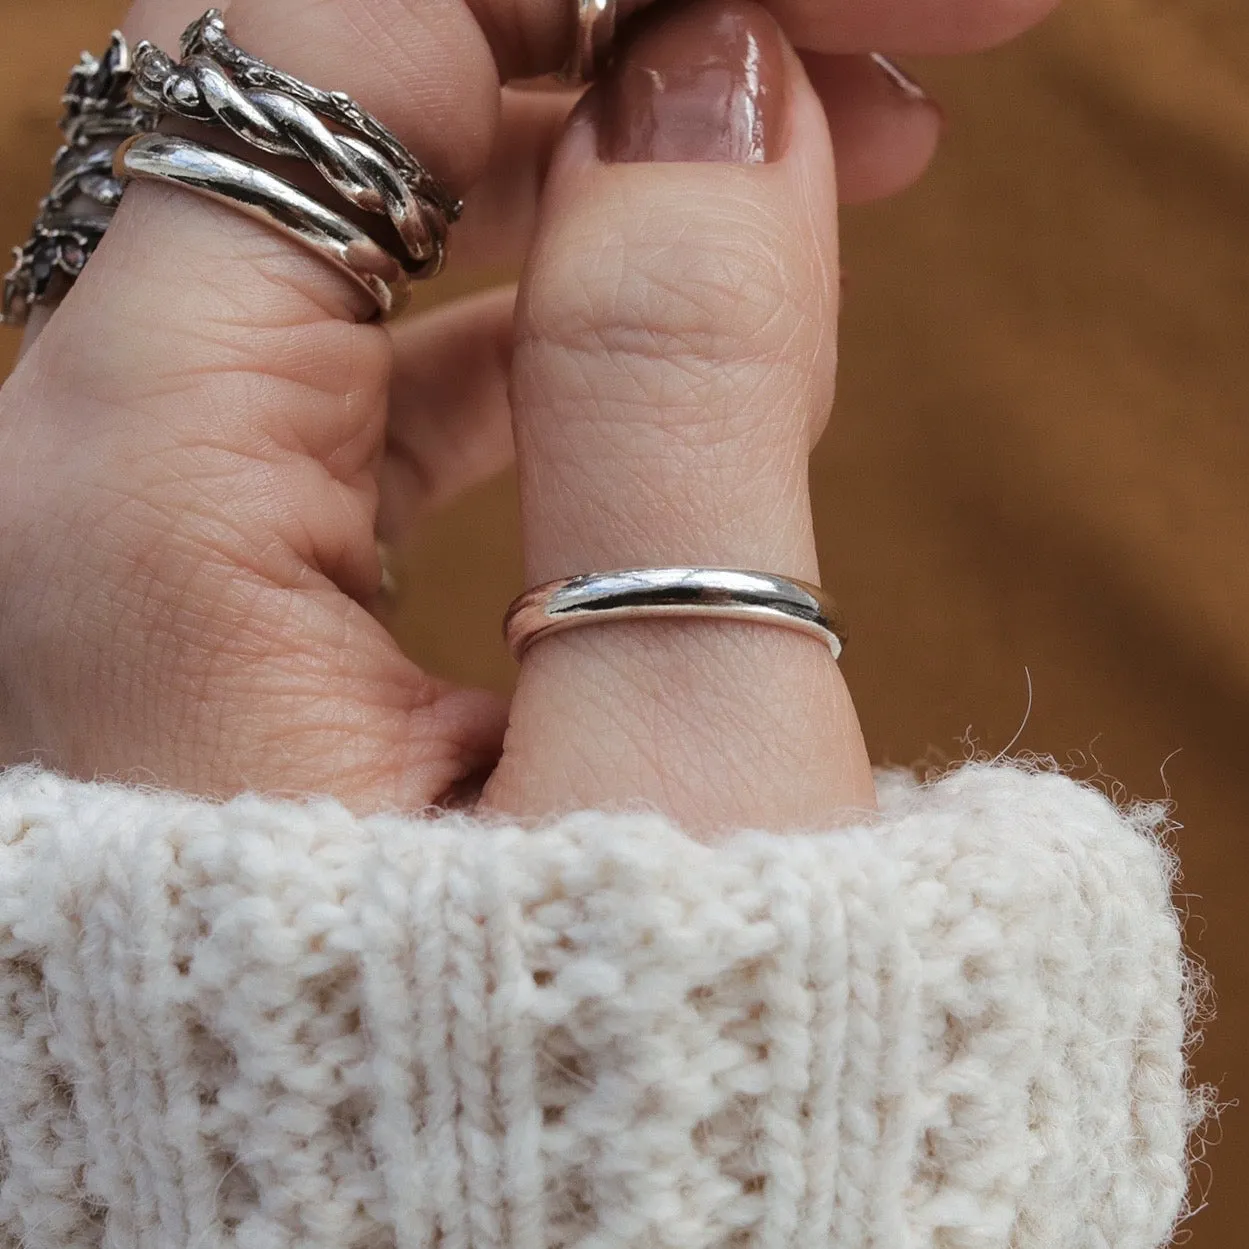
[704, 83]
[899, 78]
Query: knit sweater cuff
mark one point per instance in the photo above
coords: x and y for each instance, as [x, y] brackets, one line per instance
[271, 1025]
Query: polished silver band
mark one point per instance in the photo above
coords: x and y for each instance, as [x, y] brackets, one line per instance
[219, 84]
[636, 593]
[596, 28]
[272, 200]
[76, 211]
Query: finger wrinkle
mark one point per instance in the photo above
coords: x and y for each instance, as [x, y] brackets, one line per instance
[672, 390]
[707, 304]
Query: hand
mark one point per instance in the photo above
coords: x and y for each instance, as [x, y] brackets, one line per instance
[200, 445]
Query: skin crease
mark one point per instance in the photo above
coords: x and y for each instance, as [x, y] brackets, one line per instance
[195, 446]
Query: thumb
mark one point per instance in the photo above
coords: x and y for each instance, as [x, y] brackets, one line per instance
[674, 363]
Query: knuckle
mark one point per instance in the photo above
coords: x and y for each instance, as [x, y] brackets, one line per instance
[706, 289]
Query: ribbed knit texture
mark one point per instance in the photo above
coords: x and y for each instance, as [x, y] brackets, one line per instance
[273, 1025]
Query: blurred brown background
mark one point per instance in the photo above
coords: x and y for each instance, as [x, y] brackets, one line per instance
[1040, 457]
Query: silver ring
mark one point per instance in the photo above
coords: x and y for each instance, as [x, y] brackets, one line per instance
[596, 28]
[272, 200]
[634, 593]
[97, 97]
[218, 83]
[85, 193]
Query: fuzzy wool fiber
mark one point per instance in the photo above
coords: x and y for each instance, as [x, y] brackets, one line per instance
[270, 1024]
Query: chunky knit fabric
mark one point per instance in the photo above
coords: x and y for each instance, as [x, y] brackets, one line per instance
[271, 1025]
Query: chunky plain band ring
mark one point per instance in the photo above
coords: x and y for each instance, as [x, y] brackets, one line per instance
[634, 593]
[77, 210]
[272, 200]
[596, 28]
[219, 84]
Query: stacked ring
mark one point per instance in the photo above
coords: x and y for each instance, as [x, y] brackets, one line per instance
[218, 84]
[266, 197]
[85, 192]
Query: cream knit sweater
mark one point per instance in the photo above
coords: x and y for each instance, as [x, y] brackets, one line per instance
[271, 1025]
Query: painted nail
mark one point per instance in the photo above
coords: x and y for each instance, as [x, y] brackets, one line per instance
[704, 83]
[899, 78]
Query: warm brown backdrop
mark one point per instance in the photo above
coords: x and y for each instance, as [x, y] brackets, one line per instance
[1040, 456]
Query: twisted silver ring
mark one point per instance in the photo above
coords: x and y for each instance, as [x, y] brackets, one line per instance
[266, 197]
[218, 83]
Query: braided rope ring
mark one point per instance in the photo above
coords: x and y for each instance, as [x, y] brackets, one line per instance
[218, 83]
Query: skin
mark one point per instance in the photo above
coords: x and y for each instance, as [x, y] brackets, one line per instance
[200, 444]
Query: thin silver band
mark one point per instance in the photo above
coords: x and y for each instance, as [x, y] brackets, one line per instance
[633, 593]
[272, 200]
[596, 28]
